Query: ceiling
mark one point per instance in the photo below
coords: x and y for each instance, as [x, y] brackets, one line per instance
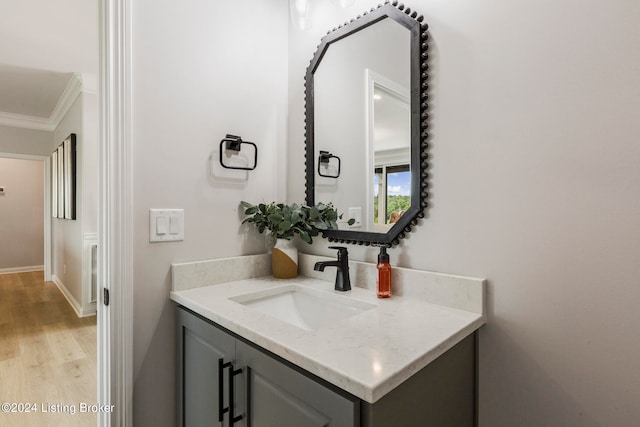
[45, 46]
[392, 120]
[29, 92]
[36, 99]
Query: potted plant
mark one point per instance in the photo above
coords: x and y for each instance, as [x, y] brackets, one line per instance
[285, 221]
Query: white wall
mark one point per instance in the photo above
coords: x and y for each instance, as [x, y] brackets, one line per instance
[59, 36]
[89, 163]
[534, 186]
[67, 234]
[201, 69]
[25, 141]
[21, 213]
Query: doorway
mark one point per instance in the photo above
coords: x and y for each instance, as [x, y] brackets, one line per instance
[54, 41]
[48, 354]
[24, 180]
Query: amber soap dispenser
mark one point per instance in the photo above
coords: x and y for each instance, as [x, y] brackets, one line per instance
[383, 285]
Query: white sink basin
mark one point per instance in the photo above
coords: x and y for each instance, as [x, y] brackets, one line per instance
[303, 307]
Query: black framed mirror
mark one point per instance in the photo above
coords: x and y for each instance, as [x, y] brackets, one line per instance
[366, 102]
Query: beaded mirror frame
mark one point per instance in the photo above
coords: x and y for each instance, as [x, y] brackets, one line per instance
[419, 120]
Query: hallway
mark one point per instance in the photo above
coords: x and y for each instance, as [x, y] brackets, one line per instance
[47, 355]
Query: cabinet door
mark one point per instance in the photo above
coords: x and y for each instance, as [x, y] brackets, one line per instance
[200, 346]
[280, 396]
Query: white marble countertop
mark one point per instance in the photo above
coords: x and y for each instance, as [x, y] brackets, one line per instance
[367, 355]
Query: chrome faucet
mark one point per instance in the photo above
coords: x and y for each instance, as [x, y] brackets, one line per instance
[342, 275]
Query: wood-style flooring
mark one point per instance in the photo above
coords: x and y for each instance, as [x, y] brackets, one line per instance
[47, 355]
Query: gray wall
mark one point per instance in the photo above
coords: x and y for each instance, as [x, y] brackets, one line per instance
[534, 186]
[21, 213]
[201, 70]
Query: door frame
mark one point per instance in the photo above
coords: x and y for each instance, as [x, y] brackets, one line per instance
[47, 204]
[115, 254]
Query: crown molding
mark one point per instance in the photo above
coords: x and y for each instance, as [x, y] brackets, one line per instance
[27, 122]
[68, 97]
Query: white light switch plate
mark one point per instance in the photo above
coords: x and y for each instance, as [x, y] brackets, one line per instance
[355, 214]
[166, 225]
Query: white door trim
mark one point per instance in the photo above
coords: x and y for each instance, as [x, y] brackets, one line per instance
[115, 255]
[47, 205]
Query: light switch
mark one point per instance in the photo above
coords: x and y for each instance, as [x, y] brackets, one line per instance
[174, 224]
[161, 225]
[356, 215]
[166, 225]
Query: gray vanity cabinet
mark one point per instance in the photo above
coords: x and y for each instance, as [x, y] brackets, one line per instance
[267, 392]
[270, 392]
[200, 347]
[279, 396]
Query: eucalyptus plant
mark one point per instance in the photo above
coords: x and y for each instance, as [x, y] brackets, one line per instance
[284, 221]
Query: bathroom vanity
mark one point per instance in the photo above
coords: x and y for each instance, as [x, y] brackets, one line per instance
[345, 359]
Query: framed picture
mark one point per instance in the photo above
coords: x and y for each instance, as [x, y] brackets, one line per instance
[69, 145]
[63, 179]
[54, 184]
[61, 182]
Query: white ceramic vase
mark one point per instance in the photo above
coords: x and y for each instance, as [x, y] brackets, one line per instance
[284, 259]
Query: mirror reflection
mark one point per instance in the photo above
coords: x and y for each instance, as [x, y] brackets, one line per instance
[363, 116]
[391, 136]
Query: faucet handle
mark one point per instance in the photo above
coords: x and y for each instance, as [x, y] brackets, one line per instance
[342, 251]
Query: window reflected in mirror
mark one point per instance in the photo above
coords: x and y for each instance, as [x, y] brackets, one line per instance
[392, 193]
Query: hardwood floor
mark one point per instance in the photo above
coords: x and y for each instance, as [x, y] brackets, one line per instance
[47, 355]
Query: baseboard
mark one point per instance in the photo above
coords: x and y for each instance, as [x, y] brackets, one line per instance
[13, 270]
[89, 310]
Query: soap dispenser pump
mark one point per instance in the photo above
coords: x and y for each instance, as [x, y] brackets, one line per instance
[383, 285]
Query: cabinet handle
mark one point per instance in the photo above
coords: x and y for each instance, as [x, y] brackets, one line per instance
[232, 417]
[230, 409]
[221, 409]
